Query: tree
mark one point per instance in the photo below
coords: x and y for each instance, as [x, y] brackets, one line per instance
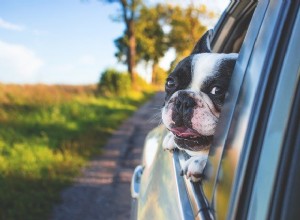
[161, 27]
[151, 38]
[151, 41]
[145, 37]
[186, 28]
[128, 15]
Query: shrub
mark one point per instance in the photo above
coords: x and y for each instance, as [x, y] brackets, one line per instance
[160, 77]
[113, 82]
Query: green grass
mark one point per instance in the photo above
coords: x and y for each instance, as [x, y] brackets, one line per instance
[46, 134]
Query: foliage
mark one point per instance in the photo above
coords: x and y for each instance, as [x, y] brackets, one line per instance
[113, 82]
[159, 76]
[122, 49]
[150, 36]
[142, 85]
[186, 28]
[46, 134]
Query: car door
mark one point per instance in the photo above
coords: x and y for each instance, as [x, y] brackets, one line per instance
[253, 170]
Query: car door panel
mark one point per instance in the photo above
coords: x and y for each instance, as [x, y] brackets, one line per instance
[162, 195]
[245, 114]
[275, 134]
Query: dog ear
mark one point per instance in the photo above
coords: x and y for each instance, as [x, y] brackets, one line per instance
[203, 45]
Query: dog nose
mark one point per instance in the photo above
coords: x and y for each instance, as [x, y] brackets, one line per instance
[184, 104]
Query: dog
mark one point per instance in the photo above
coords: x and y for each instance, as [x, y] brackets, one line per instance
[195, 92]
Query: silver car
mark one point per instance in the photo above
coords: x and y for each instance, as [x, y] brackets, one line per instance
[254, 160]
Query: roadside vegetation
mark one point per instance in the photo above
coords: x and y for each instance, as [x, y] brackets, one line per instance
[47, 133]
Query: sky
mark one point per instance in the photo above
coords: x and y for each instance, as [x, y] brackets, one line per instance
[62, 41]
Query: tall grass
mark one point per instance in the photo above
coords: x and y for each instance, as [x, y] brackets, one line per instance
[46, 134]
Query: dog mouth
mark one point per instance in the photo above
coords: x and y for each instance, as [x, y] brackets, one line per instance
[185, 133]
[190, 139]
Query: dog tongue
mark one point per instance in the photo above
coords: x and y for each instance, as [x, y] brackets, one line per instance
[184, 132]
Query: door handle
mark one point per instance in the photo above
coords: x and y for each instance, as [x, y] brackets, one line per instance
[136, 181]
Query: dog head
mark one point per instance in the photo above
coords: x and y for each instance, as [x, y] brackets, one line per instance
[195, 92]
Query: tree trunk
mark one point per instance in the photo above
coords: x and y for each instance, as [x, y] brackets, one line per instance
[154, 72]
[131, 51]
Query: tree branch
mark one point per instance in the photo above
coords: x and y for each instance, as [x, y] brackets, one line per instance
[124, 9]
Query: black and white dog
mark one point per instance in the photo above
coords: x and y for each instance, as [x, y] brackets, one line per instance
[195, 92]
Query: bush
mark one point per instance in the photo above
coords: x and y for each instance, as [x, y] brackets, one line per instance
[160, 76]
[113, 82]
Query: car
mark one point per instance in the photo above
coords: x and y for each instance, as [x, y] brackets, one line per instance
[253, 170]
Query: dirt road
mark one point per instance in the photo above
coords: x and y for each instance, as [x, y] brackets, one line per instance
[103, 189]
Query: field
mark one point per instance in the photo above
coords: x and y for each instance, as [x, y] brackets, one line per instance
[46, 134]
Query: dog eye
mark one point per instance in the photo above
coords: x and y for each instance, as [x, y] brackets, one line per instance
[170, 83]
[216, 91]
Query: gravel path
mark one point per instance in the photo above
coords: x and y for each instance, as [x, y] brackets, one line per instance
[103, 189]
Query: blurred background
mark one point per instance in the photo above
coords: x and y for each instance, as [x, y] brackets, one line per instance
[70, 72]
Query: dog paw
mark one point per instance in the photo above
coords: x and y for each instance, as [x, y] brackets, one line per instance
[168, 143]
[193, 167]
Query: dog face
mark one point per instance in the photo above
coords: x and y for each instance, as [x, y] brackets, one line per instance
[195, 92]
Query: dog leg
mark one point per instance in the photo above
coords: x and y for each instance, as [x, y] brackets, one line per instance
[194, 166]
[169, 143]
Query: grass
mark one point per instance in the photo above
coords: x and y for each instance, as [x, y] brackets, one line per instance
[46, 134]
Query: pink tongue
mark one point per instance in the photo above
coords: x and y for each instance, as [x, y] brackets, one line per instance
[184, 132]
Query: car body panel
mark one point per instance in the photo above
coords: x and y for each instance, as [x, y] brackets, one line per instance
[270, 155]
[160, 197]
